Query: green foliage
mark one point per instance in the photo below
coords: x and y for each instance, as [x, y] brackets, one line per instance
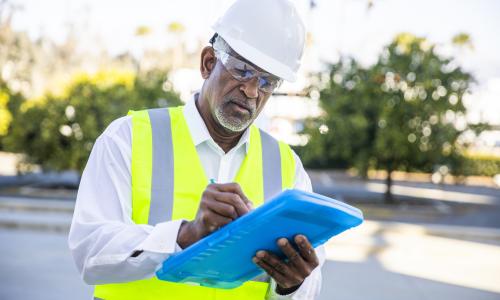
[462, 40]
[10, 103]
[5, 115]
[58, 131]
[398, 114]
[480, 165]
[344, 135]
[142, 31]
[176, 27]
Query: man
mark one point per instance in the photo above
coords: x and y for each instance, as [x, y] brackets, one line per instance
[145, 192]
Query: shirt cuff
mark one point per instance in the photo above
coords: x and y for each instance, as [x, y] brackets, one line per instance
[162, 239]
[272, 295]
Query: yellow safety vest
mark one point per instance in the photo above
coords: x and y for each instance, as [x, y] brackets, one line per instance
[167, 182]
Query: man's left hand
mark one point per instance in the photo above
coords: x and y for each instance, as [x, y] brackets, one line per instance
[289, 274]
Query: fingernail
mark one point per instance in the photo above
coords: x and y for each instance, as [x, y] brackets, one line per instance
[282, 242]
[255, 259]
[261, 254]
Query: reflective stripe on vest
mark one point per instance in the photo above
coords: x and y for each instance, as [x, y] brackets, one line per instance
[162, 199]
[162, 185]
[168, 180]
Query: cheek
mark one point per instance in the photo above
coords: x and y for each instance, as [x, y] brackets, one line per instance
[262, 102]
[222, 82]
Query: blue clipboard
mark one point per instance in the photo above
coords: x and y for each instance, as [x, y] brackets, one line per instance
[224, 258]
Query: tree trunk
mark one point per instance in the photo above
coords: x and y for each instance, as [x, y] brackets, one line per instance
[388, 197]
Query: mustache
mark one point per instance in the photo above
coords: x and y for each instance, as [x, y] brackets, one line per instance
[251, 106]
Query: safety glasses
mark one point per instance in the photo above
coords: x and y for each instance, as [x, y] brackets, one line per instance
[243, 71]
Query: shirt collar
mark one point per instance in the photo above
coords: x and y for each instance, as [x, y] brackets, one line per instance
[199, 131]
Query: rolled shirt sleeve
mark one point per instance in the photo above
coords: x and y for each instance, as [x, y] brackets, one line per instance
[103, 239]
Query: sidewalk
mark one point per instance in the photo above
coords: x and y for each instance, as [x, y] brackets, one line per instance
[362, 264]
[36, 214]
[328, 181]
[378, 260]
[419, 202]
[382, 260]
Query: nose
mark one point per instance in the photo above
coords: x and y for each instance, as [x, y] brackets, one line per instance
[250, 88]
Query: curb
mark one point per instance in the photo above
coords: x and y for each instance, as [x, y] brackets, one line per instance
[30, 204]
[43, 227]
[450, 231]
[36, 214]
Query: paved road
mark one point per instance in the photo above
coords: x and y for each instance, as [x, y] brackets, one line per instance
[401, 263]
[370, 281]
[37, 265]
[341, 183]
[367, 264]
[444, 204]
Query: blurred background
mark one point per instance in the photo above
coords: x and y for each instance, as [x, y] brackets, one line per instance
[396, 111]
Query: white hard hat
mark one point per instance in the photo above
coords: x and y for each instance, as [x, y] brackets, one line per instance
[268, 33]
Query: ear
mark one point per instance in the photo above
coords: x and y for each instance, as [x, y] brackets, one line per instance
[208, 61]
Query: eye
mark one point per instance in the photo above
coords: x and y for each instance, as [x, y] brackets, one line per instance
[241, 72]
[264, 82]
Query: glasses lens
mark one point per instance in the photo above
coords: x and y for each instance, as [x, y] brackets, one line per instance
[267, 84]
[243, 71]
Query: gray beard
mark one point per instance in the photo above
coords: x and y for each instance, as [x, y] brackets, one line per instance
[232, 124]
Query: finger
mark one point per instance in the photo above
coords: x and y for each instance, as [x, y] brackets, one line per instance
[234, 187]
[295, 259]
[272, 272]
[213, 192]
[306, 250]
[214, 221]
[272, 260]
[232, 199]
[223, 209]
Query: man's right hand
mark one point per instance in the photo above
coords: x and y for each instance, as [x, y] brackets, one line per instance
[220, 204]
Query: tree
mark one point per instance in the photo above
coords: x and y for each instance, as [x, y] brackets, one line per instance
[17, 53]
[403, 113]
[5, 115]
[58, 131]
[10, 103]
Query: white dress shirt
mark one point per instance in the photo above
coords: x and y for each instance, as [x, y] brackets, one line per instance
[103, 236]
